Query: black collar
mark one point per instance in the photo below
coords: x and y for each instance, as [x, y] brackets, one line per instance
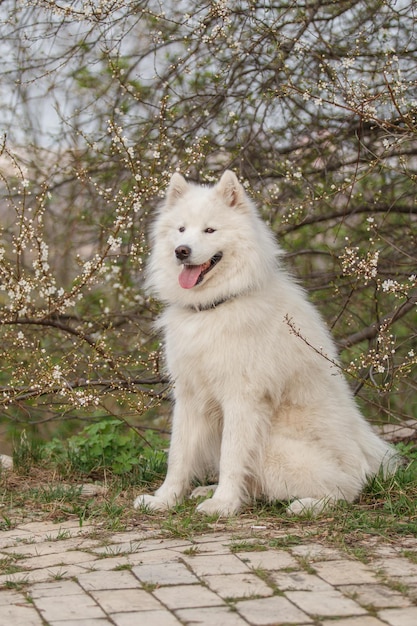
[208, 307]
[213, 305]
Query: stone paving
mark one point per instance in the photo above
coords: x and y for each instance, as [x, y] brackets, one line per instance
[64, 575]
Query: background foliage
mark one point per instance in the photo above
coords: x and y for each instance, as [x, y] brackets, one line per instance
[312, 103]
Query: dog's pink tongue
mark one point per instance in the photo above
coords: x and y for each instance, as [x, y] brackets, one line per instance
[189, 275]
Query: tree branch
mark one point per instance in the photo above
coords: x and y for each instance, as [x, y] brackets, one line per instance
[371, 331]
[316, 219]
[26, 393]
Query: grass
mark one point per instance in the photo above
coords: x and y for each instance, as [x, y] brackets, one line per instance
[248, 546]
[193, 551]
[16, 586]
[184, 522]
[387, 509]
[268, 578]
[410, 555]
[62, 535]
[8, 565]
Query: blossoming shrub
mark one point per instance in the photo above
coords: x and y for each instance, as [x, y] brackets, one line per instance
[313, 106]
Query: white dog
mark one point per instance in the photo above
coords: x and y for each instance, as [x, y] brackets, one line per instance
[259, 396]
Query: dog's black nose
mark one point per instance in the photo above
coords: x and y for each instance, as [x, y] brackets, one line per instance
[182, 252]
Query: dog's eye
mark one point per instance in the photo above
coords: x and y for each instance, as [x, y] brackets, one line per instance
[181, 229]
[210, 230]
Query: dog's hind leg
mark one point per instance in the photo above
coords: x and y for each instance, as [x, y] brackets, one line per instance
[309, 506]
[203, 491]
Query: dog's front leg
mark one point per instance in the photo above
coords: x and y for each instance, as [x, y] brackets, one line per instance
[241, 439]
[184, 454]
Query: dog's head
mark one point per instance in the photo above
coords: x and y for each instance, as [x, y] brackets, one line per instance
[207, 243]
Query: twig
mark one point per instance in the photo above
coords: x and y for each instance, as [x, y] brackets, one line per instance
[26, 393]
[371, 331]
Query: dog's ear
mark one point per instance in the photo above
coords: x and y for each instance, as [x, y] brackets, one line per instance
[231, 190]
[176, 188]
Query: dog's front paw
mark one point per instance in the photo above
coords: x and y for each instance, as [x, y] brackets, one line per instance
[223, 508]
[150, 502]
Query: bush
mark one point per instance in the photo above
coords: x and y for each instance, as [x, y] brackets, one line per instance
[311, 103]
[110, 445]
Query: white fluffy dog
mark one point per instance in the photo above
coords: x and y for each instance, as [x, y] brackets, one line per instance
[259, 396]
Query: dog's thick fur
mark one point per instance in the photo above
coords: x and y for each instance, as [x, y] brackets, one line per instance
[259, 397]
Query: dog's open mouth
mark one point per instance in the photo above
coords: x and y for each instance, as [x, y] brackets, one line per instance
[192, 275]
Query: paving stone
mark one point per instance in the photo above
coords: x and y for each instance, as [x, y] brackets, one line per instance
[13, 537]
[204, 548]
[10, 597]
[108, 580]
[116, 549]
[159, 543]
[84, 622]
[269, 559]
[208, 565]
[399, 617]
[72, 557]
[125, 600]
[165, 574]
[363, 620]
[54, 547]
[316, 551]
[398, 566]
[154, 556]
[47, 531]
[275, 610]
[409, 543]
[187, 596]
[6, 462]
[148, 618]
[19, 615]
[80, 607]
[43, 528]
[172, 544]
[212, 616]
[298, 581]
[105, 565]
[386, 551]
[219, 546]
[412, 593]
[222, 537]
[133, 535]
[238, 585]
[326, 603]
[191, 581]
[41, 575]
[378, 596]
[58, 588]
[344, 572]
[37, 527]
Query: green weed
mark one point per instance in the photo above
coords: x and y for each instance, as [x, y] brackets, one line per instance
[193, 551]
[52, 493]
[27, 452]
[8, 565]
[16, 585]
[62, 535]
[110, 445]
[247, 546]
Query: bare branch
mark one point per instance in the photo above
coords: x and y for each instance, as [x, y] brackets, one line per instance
[371, 331]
